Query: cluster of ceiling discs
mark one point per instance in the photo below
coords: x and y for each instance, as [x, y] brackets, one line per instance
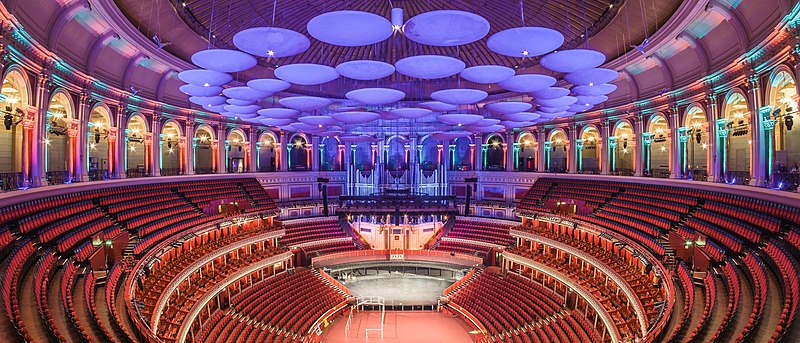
[456, 111]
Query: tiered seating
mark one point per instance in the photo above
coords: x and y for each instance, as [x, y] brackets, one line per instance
[734, 294]
[710, 291]
[682, 274]
[645, 239]
[758, 273]
[788, 271]
[41, 283]
[281, 308]
[727, 239]
[513, 307]
[262, 200]
[312, 230]
[477, 230]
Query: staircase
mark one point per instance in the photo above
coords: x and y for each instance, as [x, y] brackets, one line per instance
[669, 252]
[608, 201]
[692, 209]
[348, 230]
[246, 194]
[547, 194]
[433, 243]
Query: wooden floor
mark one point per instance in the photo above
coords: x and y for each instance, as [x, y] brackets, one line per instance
[409, 326]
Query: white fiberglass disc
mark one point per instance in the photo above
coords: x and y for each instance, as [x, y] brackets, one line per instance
[224, 60]
[306, 74]
[487, 74]
[525, 41]
[271, 42]
[365, 70]
[349, 28]
[446, 28]
[429, 66]
[568, 61]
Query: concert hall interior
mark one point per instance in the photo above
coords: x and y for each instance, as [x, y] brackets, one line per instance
[422, 171]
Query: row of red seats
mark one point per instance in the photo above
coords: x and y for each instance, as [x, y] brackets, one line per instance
[759, 220]
[634, 223]
[788, 271]
[513, 307]
[641, 215]
[710, 292]
[725, 238]
[647, 240]
[481, 231]
[654, 199]
[50, 232]
[112, 285]
[734, 297]
[12, 269]
[461, 248]
[57, 214]
[685, 280]
[758, 273]
[41, 283]
[13, 212]
[157, 234]
[77, 235]
[745, 231]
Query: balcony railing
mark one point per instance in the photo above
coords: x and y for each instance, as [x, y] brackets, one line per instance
[57, 177]
[660, 173]
[170, 171]
[204, 171]
[135, 172]
[736, 177]
[96, 175]
[10, 181]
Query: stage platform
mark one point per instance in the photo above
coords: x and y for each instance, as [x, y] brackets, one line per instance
[400, 326]
[400, 289]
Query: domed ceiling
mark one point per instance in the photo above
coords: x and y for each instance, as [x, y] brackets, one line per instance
[187, 25]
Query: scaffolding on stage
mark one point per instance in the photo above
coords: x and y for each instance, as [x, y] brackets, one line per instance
[360, 303]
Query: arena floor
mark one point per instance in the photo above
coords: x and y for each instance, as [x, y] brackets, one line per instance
[408, 326]
[400, 290]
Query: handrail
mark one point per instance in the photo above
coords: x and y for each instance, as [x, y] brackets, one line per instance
[593, 302]
[469, 241]
[173, 285]
[388, 253]
[612, 274]
[459, 282]
[474, 320]
[222, 285]
[321, 242]
[334, 282]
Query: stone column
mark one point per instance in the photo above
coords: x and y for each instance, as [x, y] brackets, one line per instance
[191, 148]
[605, 148]
[677, 146]
[316, 152]
[638, 153]
[155, 149]
[757, 157]
[509, 151]
[540, 150]
[282, 149]
[39, 165]
[714, 156]
[252, 151]
[572, 143]
[81, 172]
[222, 150]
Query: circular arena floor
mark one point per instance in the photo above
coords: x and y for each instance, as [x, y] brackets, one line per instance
[408, 326]
[399, 289]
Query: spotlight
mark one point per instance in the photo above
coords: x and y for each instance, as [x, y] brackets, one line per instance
[8, 121]
[97, 138]
[697, 137]
[788, 121]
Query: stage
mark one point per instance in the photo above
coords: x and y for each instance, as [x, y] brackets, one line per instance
[408, 326]
[399, 289]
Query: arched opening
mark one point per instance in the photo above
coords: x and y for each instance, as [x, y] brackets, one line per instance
[236, 152]
[494, 153]
[136, 151]
[695, 160]
[623, 150]
[329, 154]
[657, 147]
[14, 95]
[430, 154]
[299, 154]
[736, 166]
[397, 156]
[589, 158]
[462, 154]
[170, 151]
[363, 158]
[267, 157]
[57, 148]
[98, 149]
[526, 152]
[203, 150]
[559, 150]
[785, 137]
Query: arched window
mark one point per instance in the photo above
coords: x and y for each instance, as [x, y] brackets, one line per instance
[785, 135]
[60, 115]
[462, 154]
[236, 152]
[170, 151]
[559, 151]
[623, 154]
[329, 154]
[97, 132]
[494, 153]
[136, 151]
[736, 165]
[204, 150]
[657, 161]
[14, 95]
[429, 160]
[299, 154]
[267, 156]
[697, 149]
[589, 151]
[526, 152]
